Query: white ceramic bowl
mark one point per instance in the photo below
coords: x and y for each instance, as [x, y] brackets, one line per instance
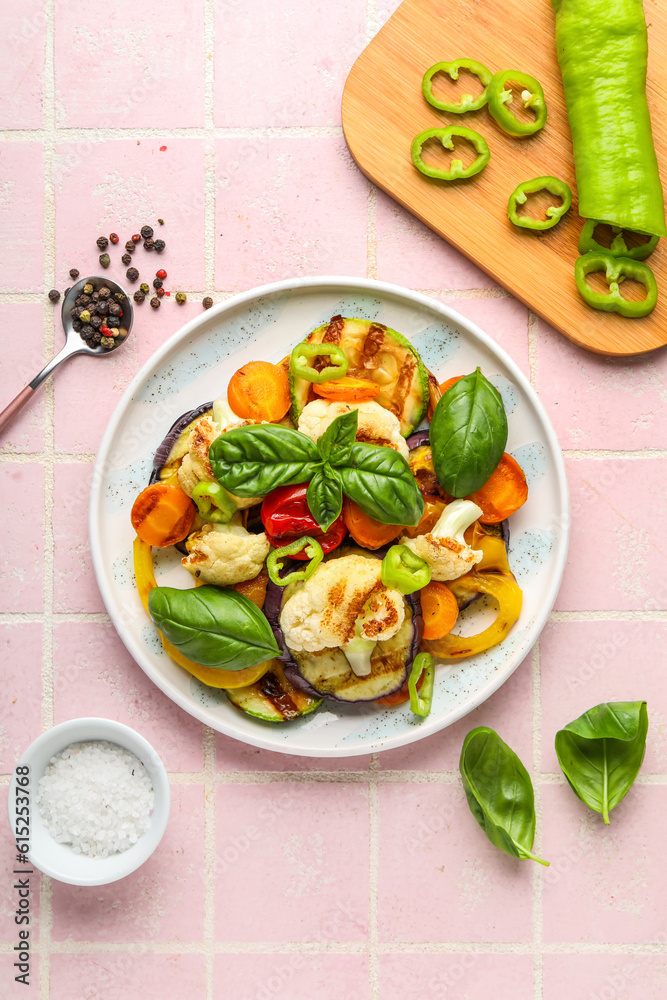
[195, 366]
[59, 860]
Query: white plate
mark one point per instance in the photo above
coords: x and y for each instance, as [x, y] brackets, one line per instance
[195, 366]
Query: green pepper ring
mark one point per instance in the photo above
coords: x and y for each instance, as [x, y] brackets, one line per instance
[456, 170]
[615, 268]
[305, 351]
[275, 560]
[555, 213]
[618, 248]
[499, 98]
[467, 102]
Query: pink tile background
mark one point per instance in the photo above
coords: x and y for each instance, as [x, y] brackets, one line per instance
[293, 877]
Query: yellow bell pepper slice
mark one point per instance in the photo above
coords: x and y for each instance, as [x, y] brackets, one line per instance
[490, 576]
[145, 580]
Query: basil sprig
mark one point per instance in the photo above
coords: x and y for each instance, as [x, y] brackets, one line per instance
[468, 434]
[600, 753]
[499, 792]
[253, 461]
[214, 626]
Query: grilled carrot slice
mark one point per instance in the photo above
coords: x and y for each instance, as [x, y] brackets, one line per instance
[259, 391]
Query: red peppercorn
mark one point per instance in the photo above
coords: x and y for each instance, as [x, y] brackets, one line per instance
[160, 292]
[161, 273]
[136, 238]
[104, 330]
[113, 237]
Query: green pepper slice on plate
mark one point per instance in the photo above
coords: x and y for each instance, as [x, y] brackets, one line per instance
[275, 560]
[616, 269]
[446, 136]
[499, 99]
[554, 213]
[303, 354]
[403, 570]
[467, 102]
[619, 247]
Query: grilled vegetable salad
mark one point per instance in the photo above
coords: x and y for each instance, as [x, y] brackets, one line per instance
[332, 546]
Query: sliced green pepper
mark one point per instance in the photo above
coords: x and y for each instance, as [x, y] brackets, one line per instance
[533, 97]
[305, 352]
[619, 247]
[404, 571]
[456, 169]
[467, 102]
[554, 214]
[421, 701]
[214, 502]
[275, 560]
[616, 268]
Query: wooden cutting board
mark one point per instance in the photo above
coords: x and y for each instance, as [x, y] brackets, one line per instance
[383, 109]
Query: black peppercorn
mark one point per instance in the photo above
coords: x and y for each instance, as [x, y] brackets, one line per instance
[139, 296]
[83, 300]
[155, 302]
[74, 274]
[114, 309]
[149, 245]
[113, 322]
[181, 297]
[130, 247]
[157, 283]
[87, 331]
[102, 242]
[105, 260]
[78, 301]
[126, 258]
[160, 292]
[54, 295]
[102, 308]
[207, 302]
[146, 232]
[97, 336]
[96, 322]
[95, 296]
[159, 245]
[105, 292]
[77, 324]
[131, 274]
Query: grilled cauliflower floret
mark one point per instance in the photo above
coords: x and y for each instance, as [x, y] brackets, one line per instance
[376, 425]
[225, 554]
[343, 601]
[195, 467]
[444, 548]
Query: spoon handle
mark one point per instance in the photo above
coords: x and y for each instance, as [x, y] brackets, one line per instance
[16, 404]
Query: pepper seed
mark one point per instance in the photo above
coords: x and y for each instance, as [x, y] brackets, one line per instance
[155, 302]
[146, 232]
[131, 274]
[207, 302]
[102, 242]
[54, 295]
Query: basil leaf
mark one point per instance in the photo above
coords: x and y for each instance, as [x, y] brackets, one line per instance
[600, 753]
[468, 435]
[252, 461]
[336, 443]
[214, 626]
[325, 497]
[499, 793]
[379, 480]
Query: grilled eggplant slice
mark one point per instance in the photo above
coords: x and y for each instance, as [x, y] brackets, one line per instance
[378, 353]
[273, 698]
[175, 445]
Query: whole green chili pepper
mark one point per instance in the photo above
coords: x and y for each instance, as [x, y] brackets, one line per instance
[404, 571]
[421, 701]
[616, 268]
[467, 102]
[500, 98]
[213, 502]
[619, 247]
[602, 48]
[554, 214]
[275, 560]
[456, 169]
[305, 352]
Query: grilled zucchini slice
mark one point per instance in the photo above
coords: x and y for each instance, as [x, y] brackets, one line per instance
[374, 352]
[273, 698]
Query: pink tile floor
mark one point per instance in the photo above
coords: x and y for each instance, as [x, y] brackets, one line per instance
[296, 878]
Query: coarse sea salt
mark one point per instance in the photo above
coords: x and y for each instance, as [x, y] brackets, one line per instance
[97, 797]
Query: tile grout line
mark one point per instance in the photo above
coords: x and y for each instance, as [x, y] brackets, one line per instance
[49, 140]
[373, 875]
[538, 873]
[93, 134]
